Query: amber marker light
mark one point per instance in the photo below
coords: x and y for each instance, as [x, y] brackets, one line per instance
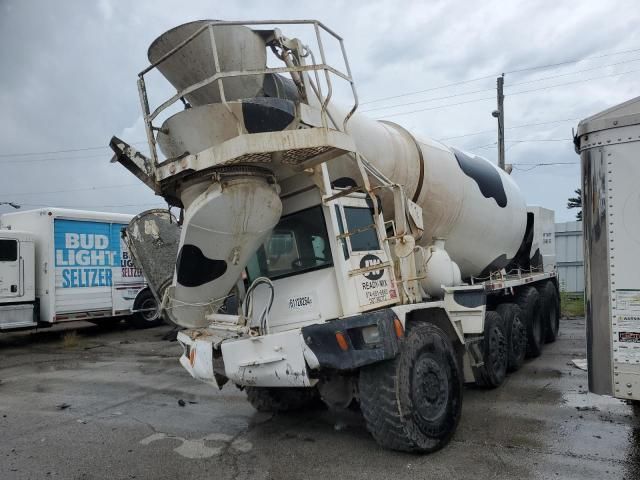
[192, 356]
[397, 325]
[342, 341]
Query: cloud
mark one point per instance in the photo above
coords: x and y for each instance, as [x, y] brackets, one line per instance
[68, 80]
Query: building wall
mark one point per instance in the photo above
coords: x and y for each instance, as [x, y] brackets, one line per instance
[570, 257]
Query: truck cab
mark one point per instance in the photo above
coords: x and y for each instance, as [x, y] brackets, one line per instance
[315, 278]
[17, 280]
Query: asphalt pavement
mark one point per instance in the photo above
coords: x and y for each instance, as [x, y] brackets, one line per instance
[113, 403]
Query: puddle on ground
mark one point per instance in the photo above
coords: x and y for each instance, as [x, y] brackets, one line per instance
[590, 401]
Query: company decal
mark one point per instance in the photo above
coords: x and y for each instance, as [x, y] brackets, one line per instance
[89, 254]
[375, 286]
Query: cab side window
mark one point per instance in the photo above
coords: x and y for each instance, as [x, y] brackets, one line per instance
[8, 250]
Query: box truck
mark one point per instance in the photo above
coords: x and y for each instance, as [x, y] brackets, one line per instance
[609, 145]
[60, 265]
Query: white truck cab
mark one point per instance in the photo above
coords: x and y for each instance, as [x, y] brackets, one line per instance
[17, 279]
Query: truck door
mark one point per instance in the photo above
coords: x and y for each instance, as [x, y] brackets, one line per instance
[363, 251]
[9, 268]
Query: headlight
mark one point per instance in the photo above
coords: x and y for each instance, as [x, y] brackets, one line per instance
[371, 334]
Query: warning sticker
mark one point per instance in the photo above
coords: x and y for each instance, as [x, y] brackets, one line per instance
[628, 300]
[629, 337]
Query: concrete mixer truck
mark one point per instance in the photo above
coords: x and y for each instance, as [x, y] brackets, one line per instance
[370, 267]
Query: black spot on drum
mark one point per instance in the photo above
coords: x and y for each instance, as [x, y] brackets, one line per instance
[497, 264]
[262, 114]
[484, 174]
[194, 268]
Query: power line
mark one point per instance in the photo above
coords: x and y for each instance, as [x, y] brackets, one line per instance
[509, 128]
[541, 140]
[89, 206]
[55, 159]
[52, 159]
[70, 150]
[574, 82]
[436, 107]
[537, 67]
[507, 86]
[428, 100]
[515, 142]
[511, 94]
[566, 74]
[74, 189]
[526, 69]
[537, 165]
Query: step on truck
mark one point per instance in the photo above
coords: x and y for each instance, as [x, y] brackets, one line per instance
[369, 266]
[59, 265]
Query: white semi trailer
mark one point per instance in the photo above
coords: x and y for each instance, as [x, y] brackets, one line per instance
[381, 268]
[609, 146]
[59, 265]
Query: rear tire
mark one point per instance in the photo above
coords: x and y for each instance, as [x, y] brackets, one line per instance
[550, 311]
[413, 402]
[277, 400]
[147, 319]
[516, 330]
[494, 352]
[528, 300]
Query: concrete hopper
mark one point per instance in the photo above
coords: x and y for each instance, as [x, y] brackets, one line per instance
[239, 49]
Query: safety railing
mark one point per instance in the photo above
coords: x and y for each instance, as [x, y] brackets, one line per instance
[219, 75]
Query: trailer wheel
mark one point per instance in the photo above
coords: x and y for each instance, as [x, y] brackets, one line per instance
[516, 331]
[494, 352]
[550, 311]
[274, 400]
[148, 318]
[413, 402]
[528, 300]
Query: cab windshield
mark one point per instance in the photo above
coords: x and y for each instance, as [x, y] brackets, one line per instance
[299, 243]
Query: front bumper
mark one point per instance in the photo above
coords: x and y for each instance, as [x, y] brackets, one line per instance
[321, 339]
[274, 360]
[285, 359]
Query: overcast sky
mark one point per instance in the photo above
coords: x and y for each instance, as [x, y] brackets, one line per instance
[68, 82]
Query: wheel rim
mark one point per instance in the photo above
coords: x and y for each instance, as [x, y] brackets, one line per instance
[497, 349]
[432, 390]
[149, 315]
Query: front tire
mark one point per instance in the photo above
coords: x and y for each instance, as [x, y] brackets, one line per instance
[413, 402]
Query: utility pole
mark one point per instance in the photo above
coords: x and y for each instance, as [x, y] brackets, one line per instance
[499, 114]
